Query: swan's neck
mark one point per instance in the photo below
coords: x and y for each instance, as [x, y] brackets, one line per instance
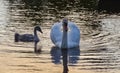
[35, 32]
[64, 39]
[36, 39]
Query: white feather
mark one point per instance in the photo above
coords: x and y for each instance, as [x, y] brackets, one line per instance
[73, 37]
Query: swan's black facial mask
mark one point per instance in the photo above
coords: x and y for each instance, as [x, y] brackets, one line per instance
[38, 28]
[65, 26]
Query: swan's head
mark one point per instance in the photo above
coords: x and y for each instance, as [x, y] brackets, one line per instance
[37, 28]
[65, 24]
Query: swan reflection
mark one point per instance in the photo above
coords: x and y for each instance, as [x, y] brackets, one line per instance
[73, 55]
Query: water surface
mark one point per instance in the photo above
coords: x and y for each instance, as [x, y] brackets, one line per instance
[99, 45]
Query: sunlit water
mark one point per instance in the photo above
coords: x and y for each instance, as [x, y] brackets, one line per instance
[99, 48]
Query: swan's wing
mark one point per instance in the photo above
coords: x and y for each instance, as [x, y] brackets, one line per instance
[26, 37]
[56, 34]
[73, 34]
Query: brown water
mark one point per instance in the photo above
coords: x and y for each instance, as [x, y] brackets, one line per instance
[99, 45]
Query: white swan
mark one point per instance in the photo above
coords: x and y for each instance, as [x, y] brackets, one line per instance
[73, 34]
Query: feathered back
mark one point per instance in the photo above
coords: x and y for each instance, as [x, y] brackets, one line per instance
[73, 34]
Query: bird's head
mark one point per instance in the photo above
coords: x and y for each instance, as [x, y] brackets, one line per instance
[37, 28]
[65, 24]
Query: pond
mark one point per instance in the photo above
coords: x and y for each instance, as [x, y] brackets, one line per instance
[100, 34]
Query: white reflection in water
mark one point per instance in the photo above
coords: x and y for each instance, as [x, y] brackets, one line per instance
[3, 12]
[111, 24]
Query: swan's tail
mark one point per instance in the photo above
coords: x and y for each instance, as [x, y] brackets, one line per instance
[16, 37]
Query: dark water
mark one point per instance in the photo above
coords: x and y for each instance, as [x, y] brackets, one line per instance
[100, 44]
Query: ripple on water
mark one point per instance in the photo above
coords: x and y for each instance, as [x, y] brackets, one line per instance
[98, 52]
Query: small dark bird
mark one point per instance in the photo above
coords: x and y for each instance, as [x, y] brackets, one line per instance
[29, 37]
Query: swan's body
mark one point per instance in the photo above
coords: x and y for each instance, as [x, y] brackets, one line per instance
[24, 37]
[29, 37]
[65, 35]
[73, 35]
